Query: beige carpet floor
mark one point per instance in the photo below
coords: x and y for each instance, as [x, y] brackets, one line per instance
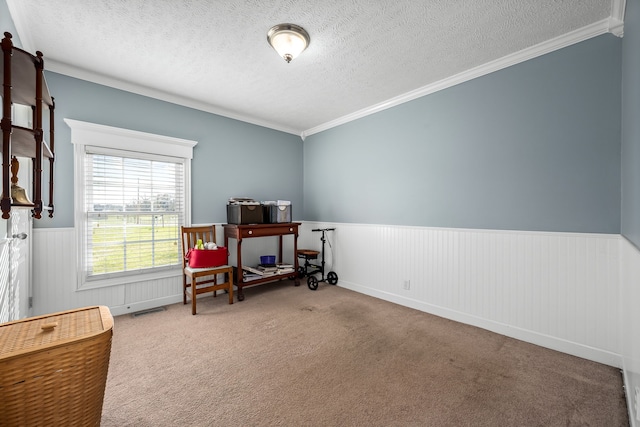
[289, 356]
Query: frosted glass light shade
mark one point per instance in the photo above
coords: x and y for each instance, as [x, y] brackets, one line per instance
[289, 40]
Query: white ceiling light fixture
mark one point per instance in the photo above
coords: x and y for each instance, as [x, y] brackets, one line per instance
[289, 40]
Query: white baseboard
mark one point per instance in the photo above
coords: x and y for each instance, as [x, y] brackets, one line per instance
[575, 349]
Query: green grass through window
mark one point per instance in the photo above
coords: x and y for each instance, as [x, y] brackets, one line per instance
[128, 242]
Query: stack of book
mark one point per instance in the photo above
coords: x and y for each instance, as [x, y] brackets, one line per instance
[265, 270]
[285, 268]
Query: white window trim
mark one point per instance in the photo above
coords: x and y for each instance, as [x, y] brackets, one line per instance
[85, 134]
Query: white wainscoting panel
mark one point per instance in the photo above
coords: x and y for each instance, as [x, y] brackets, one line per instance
[55, 280]
[55, 275]
[8, 304]
[558, 290]
[630, 325]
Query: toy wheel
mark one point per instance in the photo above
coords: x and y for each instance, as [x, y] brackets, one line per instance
[312, 282]
[332, 278]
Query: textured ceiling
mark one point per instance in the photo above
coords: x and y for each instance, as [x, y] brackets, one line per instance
[364, 54]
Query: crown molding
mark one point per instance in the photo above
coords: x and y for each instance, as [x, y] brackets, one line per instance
[617, 9]
[612, 25]
[616, 20]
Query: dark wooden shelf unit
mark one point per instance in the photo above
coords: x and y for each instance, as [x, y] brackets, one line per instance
[239, 232]
[22, 76]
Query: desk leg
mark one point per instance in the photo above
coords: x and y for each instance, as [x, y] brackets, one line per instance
[239, 282]
[295, 259]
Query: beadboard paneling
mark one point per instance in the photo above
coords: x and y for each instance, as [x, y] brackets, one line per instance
[55, 280]
[8, 301]
[559, 290]
[630, 325]
[55, 275]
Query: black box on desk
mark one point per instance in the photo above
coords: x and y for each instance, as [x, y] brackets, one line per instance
[266, 213]
[244, 214]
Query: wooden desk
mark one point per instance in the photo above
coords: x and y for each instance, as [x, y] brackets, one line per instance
[239, 232]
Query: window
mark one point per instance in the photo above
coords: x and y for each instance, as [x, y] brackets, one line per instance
[129, 204]
[134, 208]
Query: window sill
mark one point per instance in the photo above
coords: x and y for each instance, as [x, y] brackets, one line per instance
[85, 284]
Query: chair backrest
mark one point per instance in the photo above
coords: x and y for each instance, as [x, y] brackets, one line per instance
[190, 236]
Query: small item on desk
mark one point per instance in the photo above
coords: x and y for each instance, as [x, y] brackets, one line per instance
[268, 259]
[243, 201]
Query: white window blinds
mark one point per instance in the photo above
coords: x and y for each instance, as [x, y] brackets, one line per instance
[134, 206]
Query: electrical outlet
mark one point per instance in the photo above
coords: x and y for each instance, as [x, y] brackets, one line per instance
[637, 399]
[406, 285]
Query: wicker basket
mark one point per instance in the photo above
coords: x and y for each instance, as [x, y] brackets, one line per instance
[53, 368]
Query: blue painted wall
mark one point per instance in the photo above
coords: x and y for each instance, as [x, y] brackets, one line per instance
[232, 158]
[631, 124]
[535, 146]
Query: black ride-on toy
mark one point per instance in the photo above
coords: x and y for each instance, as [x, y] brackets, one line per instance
[309, 269]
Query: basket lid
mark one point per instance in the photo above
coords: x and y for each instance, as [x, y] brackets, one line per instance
[42, 332]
